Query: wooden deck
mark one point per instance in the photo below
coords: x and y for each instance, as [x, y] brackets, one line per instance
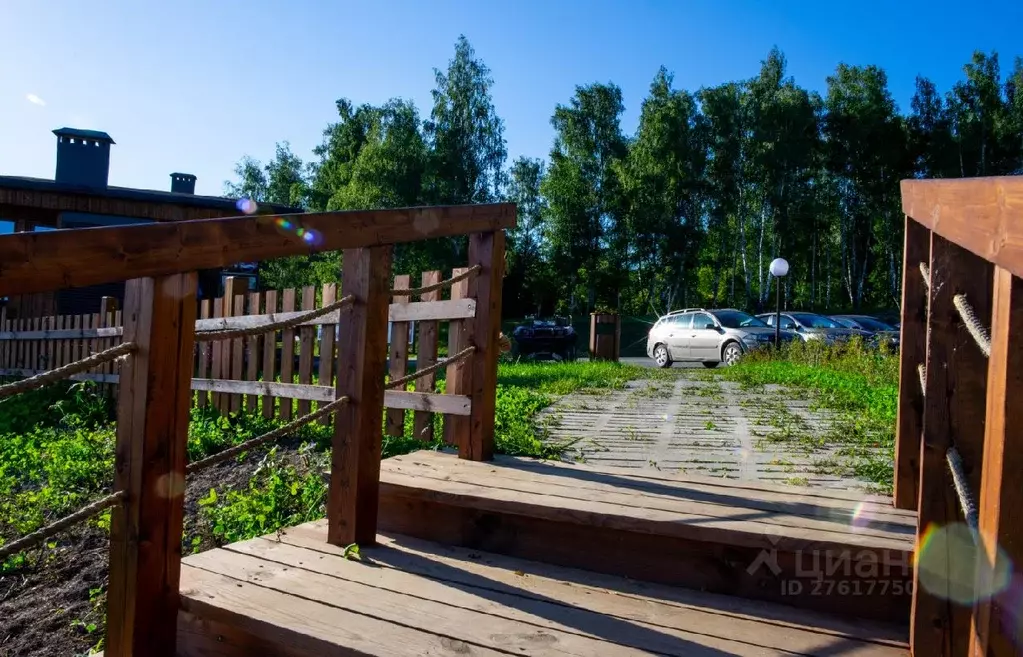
[294, 595]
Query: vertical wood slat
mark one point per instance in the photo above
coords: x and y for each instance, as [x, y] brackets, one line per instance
[954, 406]
[118, 321]
[33, 358]
[486, 250]
[4, 344]
[327, 367]
[912, 353]
[150, 456]
[307, 340]
[49, 323]
[426, 355]
[63, 321]
[354, 492]
[269, 354]
[94, 343]
[107, 310]
[217, 362]
[996, 628]
[287, 352]
[234, 293]
[457, 377]
[252, 352]
[204, 348]
[398, 357]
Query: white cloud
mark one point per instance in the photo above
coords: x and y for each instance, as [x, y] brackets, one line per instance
[35, 100]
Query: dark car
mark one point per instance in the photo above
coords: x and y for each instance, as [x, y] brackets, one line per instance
[811, 326]
[880, 332]
[544, 338]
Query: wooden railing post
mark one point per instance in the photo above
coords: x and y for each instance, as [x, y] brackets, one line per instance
[997, 628]
[954, 407]
[487, 251]
[358, 428]
[912, 353]
[152, 435]
[458, 377]
[398, 365]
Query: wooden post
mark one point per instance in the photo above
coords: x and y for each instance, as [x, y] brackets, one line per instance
[486, 250]
[362, 354]
[912, 353]
[458, 376]
[605, 336]
[152, 437]
[426, 356]
[954, 407]
[398, 365]
[997, 625]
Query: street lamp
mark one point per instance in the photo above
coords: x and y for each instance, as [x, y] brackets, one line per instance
[779, 269]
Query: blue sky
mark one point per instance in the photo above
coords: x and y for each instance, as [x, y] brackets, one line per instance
[193, 85]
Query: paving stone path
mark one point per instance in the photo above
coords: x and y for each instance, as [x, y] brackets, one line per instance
[704, 426]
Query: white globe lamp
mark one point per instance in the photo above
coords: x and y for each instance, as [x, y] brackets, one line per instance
[779, 269]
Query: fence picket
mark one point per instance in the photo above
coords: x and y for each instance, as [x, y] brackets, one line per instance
[326, 375]
[287, 351]
[307, 337]
[252, 352]
[426, 355]
[203, 353]
[269, 354]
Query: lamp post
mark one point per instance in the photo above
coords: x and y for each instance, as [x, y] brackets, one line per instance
[779, 269]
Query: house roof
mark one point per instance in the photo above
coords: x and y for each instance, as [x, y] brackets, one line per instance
[84, 134]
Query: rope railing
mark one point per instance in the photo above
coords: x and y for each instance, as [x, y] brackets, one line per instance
[926, 273]
[270, 327]
[922, 371]
[403, 381]
[66, 371]
[280, 432]
[966, 499]
[417, 291]
[973, 325]
[51, 530]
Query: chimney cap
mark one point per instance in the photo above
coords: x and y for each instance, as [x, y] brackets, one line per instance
[186, 176]
[84, 134]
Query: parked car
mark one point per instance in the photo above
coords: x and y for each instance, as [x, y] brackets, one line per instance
[709, 336]
[545, 338]
[880, 332]
[811, 326]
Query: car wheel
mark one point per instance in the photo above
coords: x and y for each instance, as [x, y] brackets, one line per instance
[710, 364]
[731, 354]
[661, 356]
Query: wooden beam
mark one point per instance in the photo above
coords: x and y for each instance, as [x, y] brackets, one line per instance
[358, 427]
[486, 250]
[398, 357]
[979, 214]
[912, 354]
[152, 438]
[954, 408]
[28, 201]
[37, 262]
[997, 627]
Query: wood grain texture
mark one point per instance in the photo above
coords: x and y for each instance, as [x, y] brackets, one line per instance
[912, 354]
[327, 347]
[996, 629]
[42, 261]
[352, 499]
[307, 341]
[458, 377]
[426, 355]
[252, 351]
[486, 250]
[287, 352]
[954, 407]
[269, 355]
[394, 424]
[979, 214]
[150, 456]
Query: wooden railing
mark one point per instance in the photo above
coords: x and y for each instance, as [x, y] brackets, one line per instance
[959, 449]
[155, 381]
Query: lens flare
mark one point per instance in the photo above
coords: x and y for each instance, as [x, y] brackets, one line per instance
[946, 560]
[247, 206]
[307, 235]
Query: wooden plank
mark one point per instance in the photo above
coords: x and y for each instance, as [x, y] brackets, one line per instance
[231, 366]
[486, 250]
[38, 262]
[429, 402]
[61, 334]
[33, 346]
[912, 354]
[954, 406]
[252, 352]
[307, 340]
[979, 214]
[398, 359]
[217, 362]
[287, 352]
[152, 440]
[204, 349]
[458, 379]
[269, 356]
[4, 327]
[107, 312]
[237, 348]
[86, 376]
[362, 354]
[995, 629]
[327, 332]
[426, 355]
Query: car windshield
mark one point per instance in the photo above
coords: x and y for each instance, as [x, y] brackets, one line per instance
[810, 320]
[872, 324]
[844, 321]
[734, 319]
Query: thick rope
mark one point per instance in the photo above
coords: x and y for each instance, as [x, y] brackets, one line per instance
[926, 273]
[232, 334]
[51, 530]
[922, 371]
[230, 453]
[962, 486]
[66, 371]
[416, 291]
[400, 383]
[973, 325]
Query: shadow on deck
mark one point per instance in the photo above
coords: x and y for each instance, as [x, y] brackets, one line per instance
[524, 557]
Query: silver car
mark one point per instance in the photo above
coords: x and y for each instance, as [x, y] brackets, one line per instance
[708, 336]
[811, 326]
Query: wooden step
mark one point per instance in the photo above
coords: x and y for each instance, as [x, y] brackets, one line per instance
[835, 551]
[294, 595]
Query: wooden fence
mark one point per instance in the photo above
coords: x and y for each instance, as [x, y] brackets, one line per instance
[283, 374]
